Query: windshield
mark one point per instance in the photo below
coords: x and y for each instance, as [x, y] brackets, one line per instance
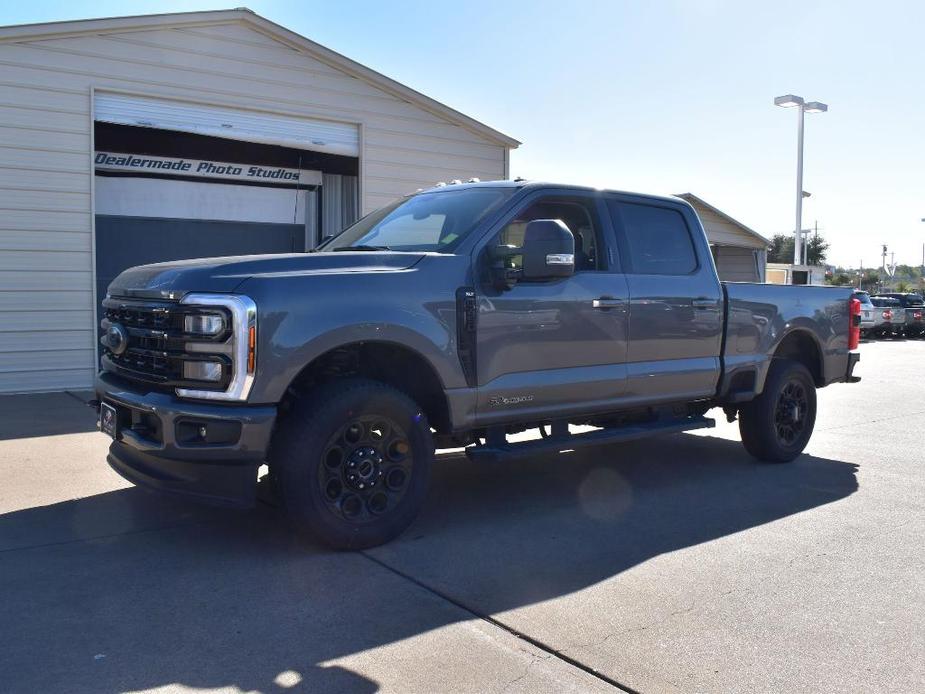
[435, 221]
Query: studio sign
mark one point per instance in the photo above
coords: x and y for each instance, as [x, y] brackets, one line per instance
[178, 166]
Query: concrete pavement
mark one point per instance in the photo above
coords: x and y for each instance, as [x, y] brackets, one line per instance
[675, 564]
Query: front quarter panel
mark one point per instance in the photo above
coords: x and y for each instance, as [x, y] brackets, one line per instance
[299, 318]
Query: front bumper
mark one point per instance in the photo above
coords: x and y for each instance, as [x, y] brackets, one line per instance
[159, 444]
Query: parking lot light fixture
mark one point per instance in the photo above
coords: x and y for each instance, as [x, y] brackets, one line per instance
[788, 101]
[791, 101]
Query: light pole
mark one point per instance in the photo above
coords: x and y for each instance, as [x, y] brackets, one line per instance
[789, 101]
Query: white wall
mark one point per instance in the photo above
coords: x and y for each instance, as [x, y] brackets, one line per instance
[46, 282]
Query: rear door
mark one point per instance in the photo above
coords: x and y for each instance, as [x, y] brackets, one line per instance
[676, 301]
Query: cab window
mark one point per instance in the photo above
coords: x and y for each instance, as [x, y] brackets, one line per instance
[578, 215]
[656, 239]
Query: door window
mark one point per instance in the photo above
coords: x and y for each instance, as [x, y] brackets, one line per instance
[577, 215]
[657, 240]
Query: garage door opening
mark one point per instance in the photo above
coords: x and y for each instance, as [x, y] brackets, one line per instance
[164, 195]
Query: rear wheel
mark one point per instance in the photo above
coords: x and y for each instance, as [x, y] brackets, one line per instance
[776, 426]
[353, 463]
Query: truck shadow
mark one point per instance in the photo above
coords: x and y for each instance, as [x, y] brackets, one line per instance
[128, 591]
[45, 414]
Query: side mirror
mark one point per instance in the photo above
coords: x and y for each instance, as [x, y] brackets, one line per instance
[548, 250]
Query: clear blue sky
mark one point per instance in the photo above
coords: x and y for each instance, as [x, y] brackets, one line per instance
[662, 97]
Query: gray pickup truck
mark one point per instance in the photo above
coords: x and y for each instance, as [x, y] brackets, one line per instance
[454, 317]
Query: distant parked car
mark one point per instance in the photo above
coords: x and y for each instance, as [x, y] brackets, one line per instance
[867, 312]
[914, 305]
[889, 317]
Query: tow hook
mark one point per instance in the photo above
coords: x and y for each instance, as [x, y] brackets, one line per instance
[731, 413]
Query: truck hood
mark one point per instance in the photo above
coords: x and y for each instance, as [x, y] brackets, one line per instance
[174, 279]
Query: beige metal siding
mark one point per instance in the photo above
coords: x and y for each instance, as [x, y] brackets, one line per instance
[721, 231]
[46, 283]
[735, 264]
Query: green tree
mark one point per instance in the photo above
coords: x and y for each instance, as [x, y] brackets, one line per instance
[781, 250]
[870, 280]
[816, 249]
[903, 286]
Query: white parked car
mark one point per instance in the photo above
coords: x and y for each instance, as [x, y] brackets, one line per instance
[867, 311]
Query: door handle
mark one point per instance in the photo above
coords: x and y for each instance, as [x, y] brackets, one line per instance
[705, 303]
[606, 302]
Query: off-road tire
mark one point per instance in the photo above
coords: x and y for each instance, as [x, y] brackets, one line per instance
[317, 462]
[776, 426]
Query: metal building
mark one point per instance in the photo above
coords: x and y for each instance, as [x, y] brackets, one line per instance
[140, 139]
[740, 253]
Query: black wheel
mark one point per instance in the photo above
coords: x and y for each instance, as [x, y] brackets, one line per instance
[353, 463]
[777, 425]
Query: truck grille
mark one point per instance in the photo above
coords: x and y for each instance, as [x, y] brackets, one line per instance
[151, 345]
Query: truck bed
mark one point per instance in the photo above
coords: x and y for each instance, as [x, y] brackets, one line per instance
[759, 317]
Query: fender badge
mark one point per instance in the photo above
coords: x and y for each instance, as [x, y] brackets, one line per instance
[499, 400]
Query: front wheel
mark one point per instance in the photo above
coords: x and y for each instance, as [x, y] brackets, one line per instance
[776, 426]
[353, 463]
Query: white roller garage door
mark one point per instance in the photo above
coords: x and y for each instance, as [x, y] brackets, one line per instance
[250, 126]
[734, 264]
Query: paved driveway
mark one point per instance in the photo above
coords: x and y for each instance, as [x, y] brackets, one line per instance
[670, 565]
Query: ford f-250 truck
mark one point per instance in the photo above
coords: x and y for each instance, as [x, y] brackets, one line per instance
[454, 317]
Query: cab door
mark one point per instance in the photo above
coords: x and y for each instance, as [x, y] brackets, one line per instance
[547, 349]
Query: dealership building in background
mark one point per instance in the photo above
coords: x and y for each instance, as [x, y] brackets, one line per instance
[740, 253]
[140, 139]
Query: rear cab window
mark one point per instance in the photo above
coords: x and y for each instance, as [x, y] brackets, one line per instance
[654, 240]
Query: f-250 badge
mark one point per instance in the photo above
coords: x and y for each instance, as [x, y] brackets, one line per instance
[499, 400]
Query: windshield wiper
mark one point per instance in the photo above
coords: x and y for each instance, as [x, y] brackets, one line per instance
[362, 248]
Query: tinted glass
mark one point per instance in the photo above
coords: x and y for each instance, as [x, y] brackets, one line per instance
[884, 302]
[907, 299]
[435, 221]
[657, 239]
[576, 215]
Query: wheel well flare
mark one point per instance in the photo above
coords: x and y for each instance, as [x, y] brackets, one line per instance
[386, 362]
[801, 347]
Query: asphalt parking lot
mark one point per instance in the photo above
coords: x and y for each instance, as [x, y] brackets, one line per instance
[676, 564]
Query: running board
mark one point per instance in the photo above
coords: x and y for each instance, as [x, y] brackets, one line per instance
[555, 444]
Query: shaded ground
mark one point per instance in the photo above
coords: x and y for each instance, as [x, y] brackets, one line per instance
[671, 565]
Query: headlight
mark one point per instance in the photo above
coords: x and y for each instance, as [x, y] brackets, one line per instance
[238, 316]
[204, 323]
